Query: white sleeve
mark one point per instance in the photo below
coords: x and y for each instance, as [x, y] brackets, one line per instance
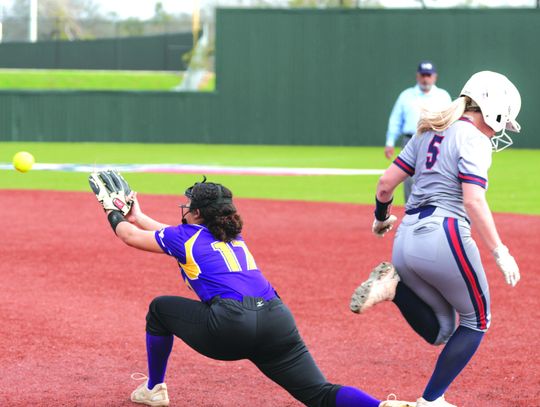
[475, 160]
[406, 160]
[395, 122]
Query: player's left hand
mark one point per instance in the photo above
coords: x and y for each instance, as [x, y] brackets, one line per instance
[507, 264]
[381, 227]
[111, 190]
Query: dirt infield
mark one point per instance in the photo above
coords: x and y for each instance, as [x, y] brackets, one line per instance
[73, 301]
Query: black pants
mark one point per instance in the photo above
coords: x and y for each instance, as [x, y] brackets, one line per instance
[262, 331]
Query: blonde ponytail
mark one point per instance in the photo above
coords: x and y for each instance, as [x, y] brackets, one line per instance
[441, 120]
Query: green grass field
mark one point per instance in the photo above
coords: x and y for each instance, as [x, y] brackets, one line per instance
[513, 188]
[88, 79]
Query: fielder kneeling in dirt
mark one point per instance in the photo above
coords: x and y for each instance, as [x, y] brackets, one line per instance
[240, 315]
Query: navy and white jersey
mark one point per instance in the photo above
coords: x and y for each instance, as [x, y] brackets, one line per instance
[441, 161]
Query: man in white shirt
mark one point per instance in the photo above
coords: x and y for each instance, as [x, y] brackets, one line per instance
[406, 111]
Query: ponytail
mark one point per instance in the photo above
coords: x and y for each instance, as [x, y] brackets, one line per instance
[214, 201]
[441, 120]
[223, 227]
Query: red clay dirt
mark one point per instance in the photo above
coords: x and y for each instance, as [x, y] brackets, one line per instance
[73, 303]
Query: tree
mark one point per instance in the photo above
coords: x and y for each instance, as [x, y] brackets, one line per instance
[58, 19]
[160, 15]
[130, 27]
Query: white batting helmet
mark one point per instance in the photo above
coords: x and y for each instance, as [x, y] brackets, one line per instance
[499, 101]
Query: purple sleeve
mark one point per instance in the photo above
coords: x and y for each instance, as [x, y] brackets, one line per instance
[171, 240]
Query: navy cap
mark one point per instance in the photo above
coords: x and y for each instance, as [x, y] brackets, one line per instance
[426, 67]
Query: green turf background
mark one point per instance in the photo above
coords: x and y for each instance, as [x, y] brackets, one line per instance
[513, 182]
[88, 79]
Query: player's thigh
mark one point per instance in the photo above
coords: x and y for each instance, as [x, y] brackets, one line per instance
[284, 358]
[466, 284]
[443, 254]
[171, 314]
[233, 328]
[415, 256]
[189, 320]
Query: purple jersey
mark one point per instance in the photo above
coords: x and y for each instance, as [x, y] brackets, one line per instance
[211, 267]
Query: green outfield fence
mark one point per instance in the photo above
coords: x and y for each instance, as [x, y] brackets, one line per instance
[153, 52]
[312, 77]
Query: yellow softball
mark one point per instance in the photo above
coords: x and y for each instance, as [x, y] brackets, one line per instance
[23, 161]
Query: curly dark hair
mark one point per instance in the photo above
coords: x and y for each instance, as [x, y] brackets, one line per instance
[214, 201]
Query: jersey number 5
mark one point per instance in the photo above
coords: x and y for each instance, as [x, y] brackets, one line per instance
[433, 151]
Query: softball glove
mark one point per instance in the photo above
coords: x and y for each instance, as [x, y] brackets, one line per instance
[112, 190]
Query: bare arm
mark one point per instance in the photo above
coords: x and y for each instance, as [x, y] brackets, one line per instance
[143, 221]
[474, 199]
[143, 236]
[388, 182]
[137, 238]
[392, 177]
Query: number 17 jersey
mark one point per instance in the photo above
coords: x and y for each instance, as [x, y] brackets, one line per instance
[211, 267]
[441, 161]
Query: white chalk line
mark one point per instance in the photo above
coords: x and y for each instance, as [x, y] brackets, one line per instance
[197, 169]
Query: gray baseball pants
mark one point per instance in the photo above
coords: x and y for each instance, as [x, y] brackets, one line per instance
[436, 257]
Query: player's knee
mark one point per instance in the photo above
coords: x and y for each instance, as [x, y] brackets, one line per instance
[441, 339]
[322, 396]
[446, 330]
[472, 321]
[475, 326]
[153, 323]
[431, 337]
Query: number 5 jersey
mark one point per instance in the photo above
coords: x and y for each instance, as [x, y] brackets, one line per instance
[441, 161]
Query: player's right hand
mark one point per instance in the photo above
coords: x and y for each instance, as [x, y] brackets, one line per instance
[381, 227]
[135, 210]
[507, 264]
[389, 152]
